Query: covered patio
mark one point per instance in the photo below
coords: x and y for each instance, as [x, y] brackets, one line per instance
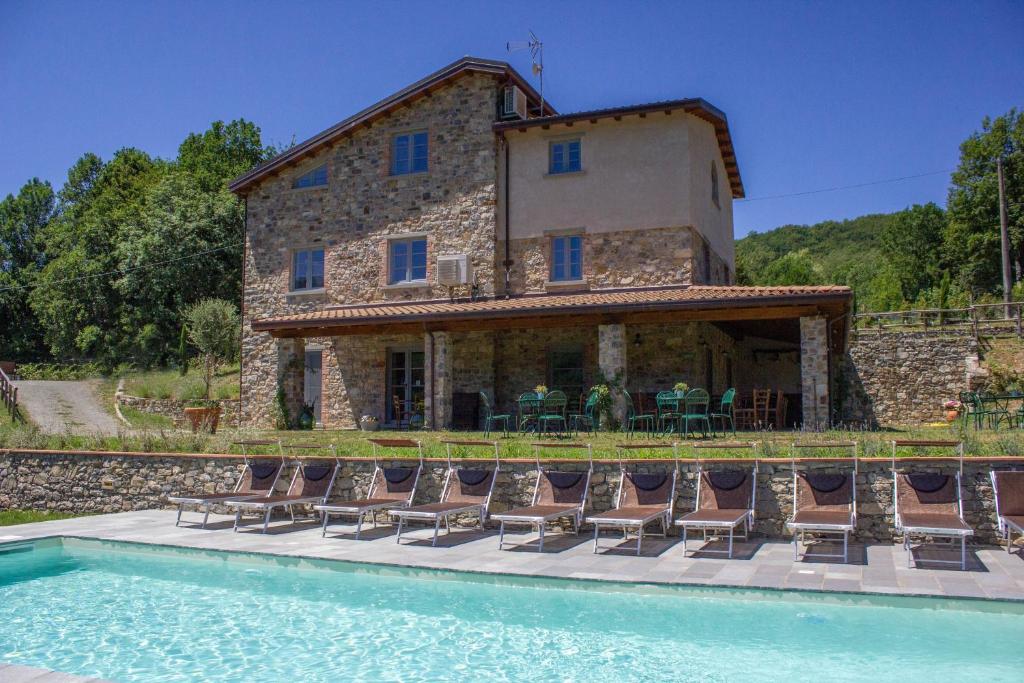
[425, 364]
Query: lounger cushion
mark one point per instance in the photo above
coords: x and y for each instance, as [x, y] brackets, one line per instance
[564, 480]
[727, 480]
[637, 512]
[1010, 489]
[927, 482]
[824, 517]
[316, 472]
[473, 477]
[724, 516]
[924, 520]
[434, 508]
[264, 470]
[538, 511]
[396, 475]
[825, 482]
[648, 482]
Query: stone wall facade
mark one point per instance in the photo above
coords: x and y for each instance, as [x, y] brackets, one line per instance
[175, 410]
[360, 209]
[903, 377]
[815, 373]
[97, 482]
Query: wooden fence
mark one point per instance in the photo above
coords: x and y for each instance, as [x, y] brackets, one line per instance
[980, 319]
[9, 395]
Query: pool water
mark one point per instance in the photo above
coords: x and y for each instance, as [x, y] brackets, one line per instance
[130, 612]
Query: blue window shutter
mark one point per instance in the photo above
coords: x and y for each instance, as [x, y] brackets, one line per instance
[399, 263]
[557, 156]
[299, 270]
[574, 156]
[575, 258]
[558, 259]
[317, 269]
[419, 153]
[419, 260]
[400, 155]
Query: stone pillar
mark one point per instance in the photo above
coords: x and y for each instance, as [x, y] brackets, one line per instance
[611, 360]
[438, 382]
[291, 362]
[814, 375]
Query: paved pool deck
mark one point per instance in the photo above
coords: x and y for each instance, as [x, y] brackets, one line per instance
[768, 564]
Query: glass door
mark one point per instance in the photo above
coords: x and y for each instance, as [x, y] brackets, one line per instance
[312, 385]
[406, 387]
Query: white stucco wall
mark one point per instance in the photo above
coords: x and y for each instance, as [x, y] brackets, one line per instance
[638, 173]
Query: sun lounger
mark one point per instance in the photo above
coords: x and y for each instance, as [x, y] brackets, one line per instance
[642, 498]
[390, 487]
[824, 503]
[466, 490]
[259, 477]
[311, 485]
[1008, 490]
[929, 505]
[555, 495]
[726, 499]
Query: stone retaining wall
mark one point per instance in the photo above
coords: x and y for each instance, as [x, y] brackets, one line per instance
[175, 410]
[901, 378]
[94, 482]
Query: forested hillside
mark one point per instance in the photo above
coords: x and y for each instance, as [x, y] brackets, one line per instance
[923, 256]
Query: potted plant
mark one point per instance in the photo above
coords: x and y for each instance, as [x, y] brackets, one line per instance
[541, 390]
[213, 329]
[681, 388]
[203, 415]
[369, 423]
[307, 416]
[952, 409]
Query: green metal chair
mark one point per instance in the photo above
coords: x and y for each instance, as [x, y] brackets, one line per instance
[695, 409]
[633, 419]
[491, 418]
[587, 419]
[970, 413]
[552, 410]
[725, 412]
[529, 409]
[992, 411]
[668, 411]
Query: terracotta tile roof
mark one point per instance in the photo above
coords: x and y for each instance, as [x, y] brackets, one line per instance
[599, 301]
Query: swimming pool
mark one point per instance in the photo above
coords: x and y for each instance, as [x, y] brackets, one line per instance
[132, 612]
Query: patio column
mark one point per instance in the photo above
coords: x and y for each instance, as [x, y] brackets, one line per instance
[814, 376]
[438, 381]
[611, 360]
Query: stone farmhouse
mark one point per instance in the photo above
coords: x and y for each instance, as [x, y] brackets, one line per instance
[458, 237]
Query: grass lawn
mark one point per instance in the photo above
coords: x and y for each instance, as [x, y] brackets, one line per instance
[355, 444]
[12, 517]
[170, 383]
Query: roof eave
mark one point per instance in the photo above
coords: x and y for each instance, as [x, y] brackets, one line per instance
[309, 146]
[838, 296]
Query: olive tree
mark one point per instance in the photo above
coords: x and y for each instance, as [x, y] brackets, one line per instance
[213, 328]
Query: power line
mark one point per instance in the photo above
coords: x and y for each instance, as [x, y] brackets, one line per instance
[846, 187]
[123, 271]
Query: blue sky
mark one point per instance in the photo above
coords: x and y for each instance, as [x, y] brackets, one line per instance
[818, 94]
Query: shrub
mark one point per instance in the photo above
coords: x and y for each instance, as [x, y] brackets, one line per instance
[213, 328]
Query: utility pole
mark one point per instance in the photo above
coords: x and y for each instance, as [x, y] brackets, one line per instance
[1004, 236]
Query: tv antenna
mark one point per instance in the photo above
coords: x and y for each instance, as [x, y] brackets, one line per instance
[536, 49]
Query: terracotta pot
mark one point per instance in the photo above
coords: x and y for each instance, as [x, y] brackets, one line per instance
[203, 419]
[952, 415]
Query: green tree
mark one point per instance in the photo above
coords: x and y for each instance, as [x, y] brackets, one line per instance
[911, 243]
[221, 153]
[23, 217]
[795, 268]
[214, 329]
[971, 241]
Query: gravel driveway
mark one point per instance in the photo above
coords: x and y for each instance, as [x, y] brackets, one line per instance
[56, 406]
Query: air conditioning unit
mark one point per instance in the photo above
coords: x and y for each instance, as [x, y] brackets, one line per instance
[513, 103]
[454, 270]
